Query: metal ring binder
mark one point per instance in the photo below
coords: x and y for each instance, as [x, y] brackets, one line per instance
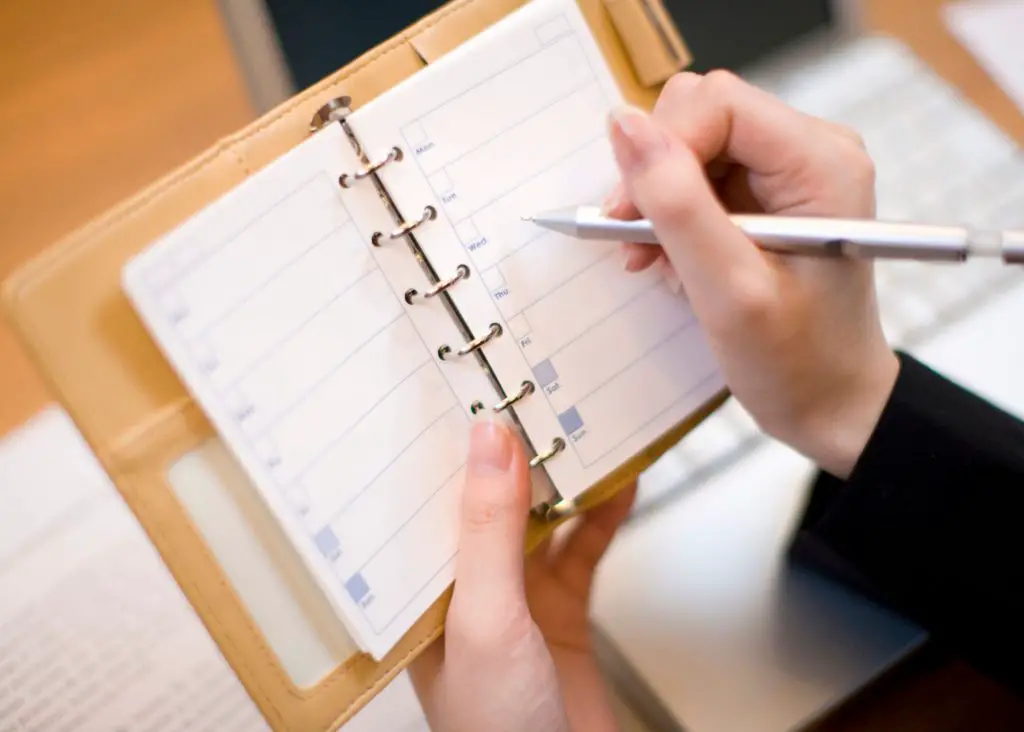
[394, 155]
[337, 110]
[493, 332]
[557, 445]
[559, 509]
[461, 273]
[525, 389]
[429, 213]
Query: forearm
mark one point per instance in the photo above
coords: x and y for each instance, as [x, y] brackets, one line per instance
[931, 519]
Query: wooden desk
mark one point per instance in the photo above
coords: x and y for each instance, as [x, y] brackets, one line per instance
[99, 99]
[102, 97]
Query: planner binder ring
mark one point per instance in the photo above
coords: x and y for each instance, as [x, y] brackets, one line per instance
[525, 389]
[429, 214]
[334, 110]
[557, 445]
[493, 332]
[559, 509]
[461, 273]
[393, 156]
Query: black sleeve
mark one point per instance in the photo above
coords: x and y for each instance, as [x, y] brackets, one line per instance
[931, 521]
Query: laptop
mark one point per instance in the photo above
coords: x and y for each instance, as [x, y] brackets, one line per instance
[707, 615]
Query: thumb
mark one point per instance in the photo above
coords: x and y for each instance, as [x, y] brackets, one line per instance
[495, 508]
[667, 183]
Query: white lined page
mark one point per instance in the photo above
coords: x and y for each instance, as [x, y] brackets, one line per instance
[290, 330]
[517, 124]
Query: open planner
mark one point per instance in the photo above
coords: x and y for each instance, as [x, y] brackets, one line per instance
[332, 312]
[298, 315]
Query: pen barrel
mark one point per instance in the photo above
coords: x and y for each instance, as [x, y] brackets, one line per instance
[855, 238]
[1013, 247]
[639, 231]
[822, 237]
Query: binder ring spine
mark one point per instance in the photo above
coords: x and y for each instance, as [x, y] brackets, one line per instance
[525, 389]
[429, 214]
[461, 273]
[560, 509]
[557, 445]
[394, 155]
[336, 111]
[495, 330]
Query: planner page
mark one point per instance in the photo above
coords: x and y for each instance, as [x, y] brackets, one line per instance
[511, 123]
[290, 329]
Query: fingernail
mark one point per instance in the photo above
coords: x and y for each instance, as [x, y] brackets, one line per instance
[490, 447]
[636, 138]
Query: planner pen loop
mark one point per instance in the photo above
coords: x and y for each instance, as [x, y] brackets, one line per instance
[337, 111]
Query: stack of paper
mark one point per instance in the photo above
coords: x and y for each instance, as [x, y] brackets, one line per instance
[94, 633]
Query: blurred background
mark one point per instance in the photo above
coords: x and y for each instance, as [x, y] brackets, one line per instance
[99, 98]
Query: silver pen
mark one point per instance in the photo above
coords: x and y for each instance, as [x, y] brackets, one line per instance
[860, 238]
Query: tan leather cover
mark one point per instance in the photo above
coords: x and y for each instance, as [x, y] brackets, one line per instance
[68, 307]
[655, 47]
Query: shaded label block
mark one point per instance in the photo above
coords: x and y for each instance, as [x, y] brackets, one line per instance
[357, 587]
[570, 420]
[327, 543]
[545, 372]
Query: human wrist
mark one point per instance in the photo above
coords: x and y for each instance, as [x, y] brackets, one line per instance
[835, 434]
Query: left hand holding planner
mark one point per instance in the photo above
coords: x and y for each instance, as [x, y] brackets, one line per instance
[517, 654]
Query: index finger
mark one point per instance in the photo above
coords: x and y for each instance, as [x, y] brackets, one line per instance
[720, 116]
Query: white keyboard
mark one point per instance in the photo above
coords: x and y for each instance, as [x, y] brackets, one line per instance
[938, 160]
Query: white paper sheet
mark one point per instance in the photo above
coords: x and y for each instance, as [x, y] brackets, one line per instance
[94, 633]
[518, 124]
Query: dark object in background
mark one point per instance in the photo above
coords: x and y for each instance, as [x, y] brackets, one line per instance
[733, 34]
[319, 36]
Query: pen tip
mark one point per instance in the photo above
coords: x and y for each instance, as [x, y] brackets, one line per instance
[526, 217]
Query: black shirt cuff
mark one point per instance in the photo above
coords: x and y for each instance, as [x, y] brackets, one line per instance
[930, 522]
